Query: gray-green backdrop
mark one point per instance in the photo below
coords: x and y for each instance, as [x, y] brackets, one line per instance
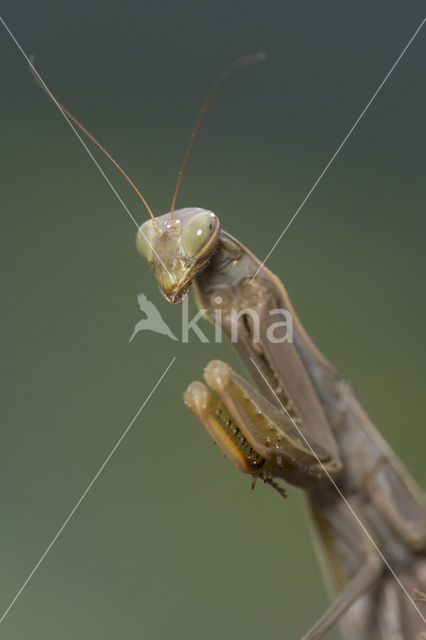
[170, 541]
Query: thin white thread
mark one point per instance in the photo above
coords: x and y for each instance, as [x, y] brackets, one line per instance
[80, 500]
[333, 157]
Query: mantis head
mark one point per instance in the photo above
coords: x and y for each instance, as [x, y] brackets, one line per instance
[177, 246]
[180, 243]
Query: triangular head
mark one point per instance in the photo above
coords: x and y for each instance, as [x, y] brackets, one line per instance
[177, 247]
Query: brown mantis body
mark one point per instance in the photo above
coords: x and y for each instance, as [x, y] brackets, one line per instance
[304, 425]
[301, 424]
[300, 384]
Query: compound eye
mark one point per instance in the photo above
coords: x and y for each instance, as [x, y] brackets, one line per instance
[197, 232]
[144, 240]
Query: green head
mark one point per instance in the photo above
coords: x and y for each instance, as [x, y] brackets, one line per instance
[178, 247]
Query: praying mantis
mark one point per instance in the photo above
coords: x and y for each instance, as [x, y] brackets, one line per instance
[300, 423]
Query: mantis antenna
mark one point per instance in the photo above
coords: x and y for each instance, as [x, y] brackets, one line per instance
[89, 135]
[241, 62]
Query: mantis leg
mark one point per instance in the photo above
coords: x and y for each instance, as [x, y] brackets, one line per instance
[259, 438]
[359, 584]
[406, 517]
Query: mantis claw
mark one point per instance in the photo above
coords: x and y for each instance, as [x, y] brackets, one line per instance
[257, 437]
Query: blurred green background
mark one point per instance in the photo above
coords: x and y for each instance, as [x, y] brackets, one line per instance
[171, 542]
